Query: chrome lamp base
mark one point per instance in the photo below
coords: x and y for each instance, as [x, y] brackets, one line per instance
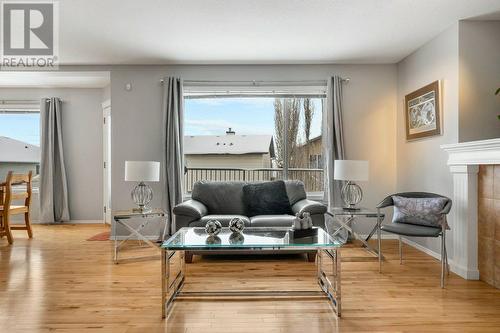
[142, 195]
[351, 194]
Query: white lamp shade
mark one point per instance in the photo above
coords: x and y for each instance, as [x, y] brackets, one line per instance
[350, 170]
[142, 171]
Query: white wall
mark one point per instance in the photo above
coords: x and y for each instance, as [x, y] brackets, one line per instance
[421, 164]
[82, 135]
[369, 116]
[479, 74]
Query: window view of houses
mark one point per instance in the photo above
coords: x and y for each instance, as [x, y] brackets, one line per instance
[20, 143]
[254, 139]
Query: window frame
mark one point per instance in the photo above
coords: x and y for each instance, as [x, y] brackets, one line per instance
[23, 107]
[271, 89]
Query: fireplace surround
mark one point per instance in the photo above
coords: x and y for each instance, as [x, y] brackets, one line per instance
[464, 160]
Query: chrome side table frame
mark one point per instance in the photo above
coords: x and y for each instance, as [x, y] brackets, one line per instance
[328, 281]
[122, 217]
[338, 214]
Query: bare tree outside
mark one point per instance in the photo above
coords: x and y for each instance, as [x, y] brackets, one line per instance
[308, 117]
[289, 108]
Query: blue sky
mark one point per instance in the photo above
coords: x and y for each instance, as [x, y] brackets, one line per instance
[244, 115]
[202, 117]
[24, 127]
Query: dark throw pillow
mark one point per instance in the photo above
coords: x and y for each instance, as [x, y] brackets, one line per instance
[268, 198]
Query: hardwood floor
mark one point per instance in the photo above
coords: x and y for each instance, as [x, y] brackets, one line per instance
[59, 282]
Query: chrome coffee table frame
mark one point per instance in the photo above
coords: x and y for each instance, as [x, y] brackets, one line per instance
[329, 282]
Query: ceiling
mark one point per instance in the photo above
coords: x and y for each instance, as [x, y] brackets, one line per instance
[255, 31]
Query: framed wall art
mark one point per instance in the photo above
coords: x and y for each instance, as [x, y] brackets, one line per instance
[423, 112]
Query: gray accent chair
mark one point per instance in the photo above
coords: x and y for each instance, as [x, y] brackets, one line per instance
[223, 201]
[414, 230]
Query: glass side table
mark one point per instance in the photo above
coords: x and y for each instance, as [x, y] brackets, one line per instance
[346, 218]
[123, 218]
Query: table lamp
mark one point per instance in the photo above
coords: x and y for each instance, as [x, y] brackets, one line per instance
[350, 171]
[142, 171]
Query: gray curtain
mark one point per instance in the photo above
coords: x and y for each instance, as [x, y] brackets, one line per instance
[53, 186]
[333, 141]
[173, 154]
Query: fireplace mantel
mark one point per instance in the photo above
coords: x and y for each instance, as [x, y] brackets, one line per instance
[473, 152]
[464, 160]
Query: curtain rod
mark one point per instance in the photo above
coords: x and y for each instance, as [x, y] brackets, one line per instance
[258, 83]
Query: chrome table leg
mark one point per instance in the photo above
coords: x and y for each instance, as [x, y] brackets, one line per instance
[330, 283]
[115, 257]
[164, 281]
[379, 240]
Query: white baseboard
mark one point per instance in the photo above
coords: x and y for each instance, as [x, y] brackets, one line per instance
[461, 271]
[422, 248]
[383, 236]
[151, 238]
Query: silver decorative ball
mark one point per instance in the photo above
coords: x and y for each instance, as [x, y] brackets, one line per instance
[236, 238]
[236, 225]
[213, 240]
[213, 227]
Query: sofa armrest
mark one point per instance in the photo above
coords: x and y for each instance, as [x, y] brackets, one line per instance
[312, 207]
[191, 208]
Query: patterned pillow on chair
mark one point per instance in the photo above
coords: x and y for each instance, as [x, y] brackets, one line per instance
[419, 211]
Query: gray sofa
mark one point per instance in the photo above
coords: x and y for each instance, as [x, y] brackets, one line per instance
[223, 201]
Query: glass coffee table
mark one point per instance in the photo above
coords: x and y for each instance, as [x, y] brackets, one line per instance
[251, 240]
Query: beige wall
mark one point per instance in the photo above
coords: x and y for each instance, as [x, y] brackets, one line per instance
[479, 75]
[369, 116]
[369, 119]
[422, 164]
[82, 135]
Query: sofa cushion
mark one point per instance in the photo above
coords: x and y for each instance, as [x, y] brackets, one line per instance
[272, 221]
[223, 219]
[266, 198]
[220, 197]
[295, 190]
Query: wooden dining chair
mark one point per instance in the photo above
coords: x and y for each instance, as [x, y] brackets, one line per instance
[7, 209]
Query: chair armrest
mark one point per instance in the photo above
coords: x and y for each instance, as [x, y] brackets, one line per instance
[312, 207]
[446, 208]
[191, 208]
[386, 202]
